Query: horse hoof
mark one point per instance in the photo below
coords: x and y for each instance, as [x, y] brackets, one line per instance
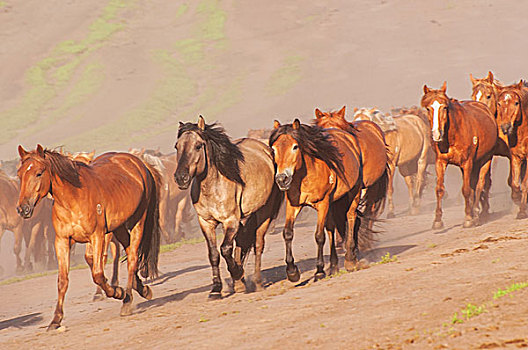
[147, 292]
[215, 295]
[126, 309]
[437, 225]
[119, 293]
[293, 276]
[258, 287]
[53, 326]
[521, 215]
[19, 270]
[333, 270]
[239, 286]
[391, 215]
[319, 276]
[350, 266]
[28, 268]
[468, 223]
[98, 297]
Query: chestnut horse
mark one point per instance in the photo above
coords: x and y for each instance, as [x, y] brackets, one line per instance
[464, 134]
[232, 184]
[375, 157]
[110, 241]
[408, 140]
[321, 168]
[116, 193]
[512, 114]
[35, 232]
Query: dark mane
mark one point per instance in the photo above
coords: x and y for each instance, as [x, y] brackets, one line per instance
[224, 154]
[315, 142]
[64, 168]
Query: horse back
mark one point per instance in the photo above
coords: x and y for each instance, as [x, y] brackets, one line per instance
[410, 138]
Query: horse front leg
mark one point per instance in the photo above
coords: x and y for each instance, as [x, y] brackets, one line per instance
[468, 193]
[292, 271]
[522, 208]
[209, 231]
[17, 247]
[62, 250]
[35, 230]
[330, 230]
[440, 167]
[515, 169]
[322, 213]
[482, 192]
[390, 190]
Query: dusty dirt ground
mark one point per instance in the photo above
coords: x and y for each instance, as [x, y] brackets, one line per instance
[408, 303]
[108, 75]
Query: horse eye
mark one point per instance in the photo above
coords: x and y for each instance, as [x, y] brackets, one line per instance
[199, 147]
[295, 147]
[38, 175]
[516, 103]
[488, 97]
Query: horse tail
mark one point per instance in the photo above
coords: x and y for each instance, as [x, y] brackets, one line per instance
[149, 248]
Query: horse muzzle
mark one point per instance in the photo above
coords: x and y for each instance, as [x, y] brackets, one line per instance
[437, 135]
[283, 181]
[507, 129]
[182, 179]
[25, 211]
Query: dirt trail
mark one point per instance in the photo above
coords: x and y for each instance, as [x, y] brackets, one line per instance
[408, 303]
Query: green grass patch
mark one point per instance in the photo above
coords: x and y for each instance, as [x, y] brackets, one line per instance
[3, 4]
[512, 288]
[467, 313]
[387, 258]
[286, 76]
[170, 247]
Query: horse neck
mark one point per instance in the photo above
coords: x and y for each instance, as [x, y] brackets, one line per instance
[210, 176]
[455, 121]
[61, 191]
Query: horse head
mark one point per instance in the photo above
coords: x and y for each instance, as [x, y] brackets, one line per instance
[191, 153]
[509, 108]
[437, 104]
[34, 173]
[485, 91]
[286, 153]
[333, 119]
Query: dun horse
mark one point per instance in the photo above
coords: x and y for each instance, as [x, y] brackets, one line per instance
[512, 114]
[232, 184]
[374, 157]
[464, 134]
[321, 168]
[116, 193]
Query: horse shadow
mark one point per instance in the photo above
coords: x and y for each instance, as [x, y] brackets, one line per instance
[374, 255]
[148, 304]
[170, 275]
[22, 321]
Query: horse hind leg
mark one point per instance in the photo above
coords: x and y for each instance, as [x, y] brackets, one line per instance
[483, 189]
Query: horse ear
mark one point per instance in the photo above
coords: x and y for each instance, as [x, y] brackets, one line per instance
[426, 89]
[355, 109]
[201, 122]
[520, 84]
[22, 152]
[91, 154]
[276, 124]
[318, 113]
[473, 80]
[181, 124]
[490, 77]
[296, 124]
[40, 150]
[444, 87]
[341, 112]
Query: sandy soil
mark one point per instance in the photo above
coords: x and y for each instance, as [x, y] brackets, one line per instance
[408, 303]
[245, 63]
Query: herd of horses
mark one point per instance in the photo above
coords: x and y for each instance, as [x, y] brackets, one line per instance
[343, 169]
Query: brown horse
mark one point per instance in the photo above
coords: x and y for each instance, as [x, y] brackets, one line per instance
[408, 140]
[116, 193]
[110, 240]
[512, 114]
[35, 232]
[464, 134]
[374, 157]
[320, 168]
[232, 184]
[487, 90]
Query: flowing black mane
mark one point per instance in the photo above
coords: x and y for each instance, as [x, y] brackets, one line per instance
[315, 142]
[224, 154]
[64, 168]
